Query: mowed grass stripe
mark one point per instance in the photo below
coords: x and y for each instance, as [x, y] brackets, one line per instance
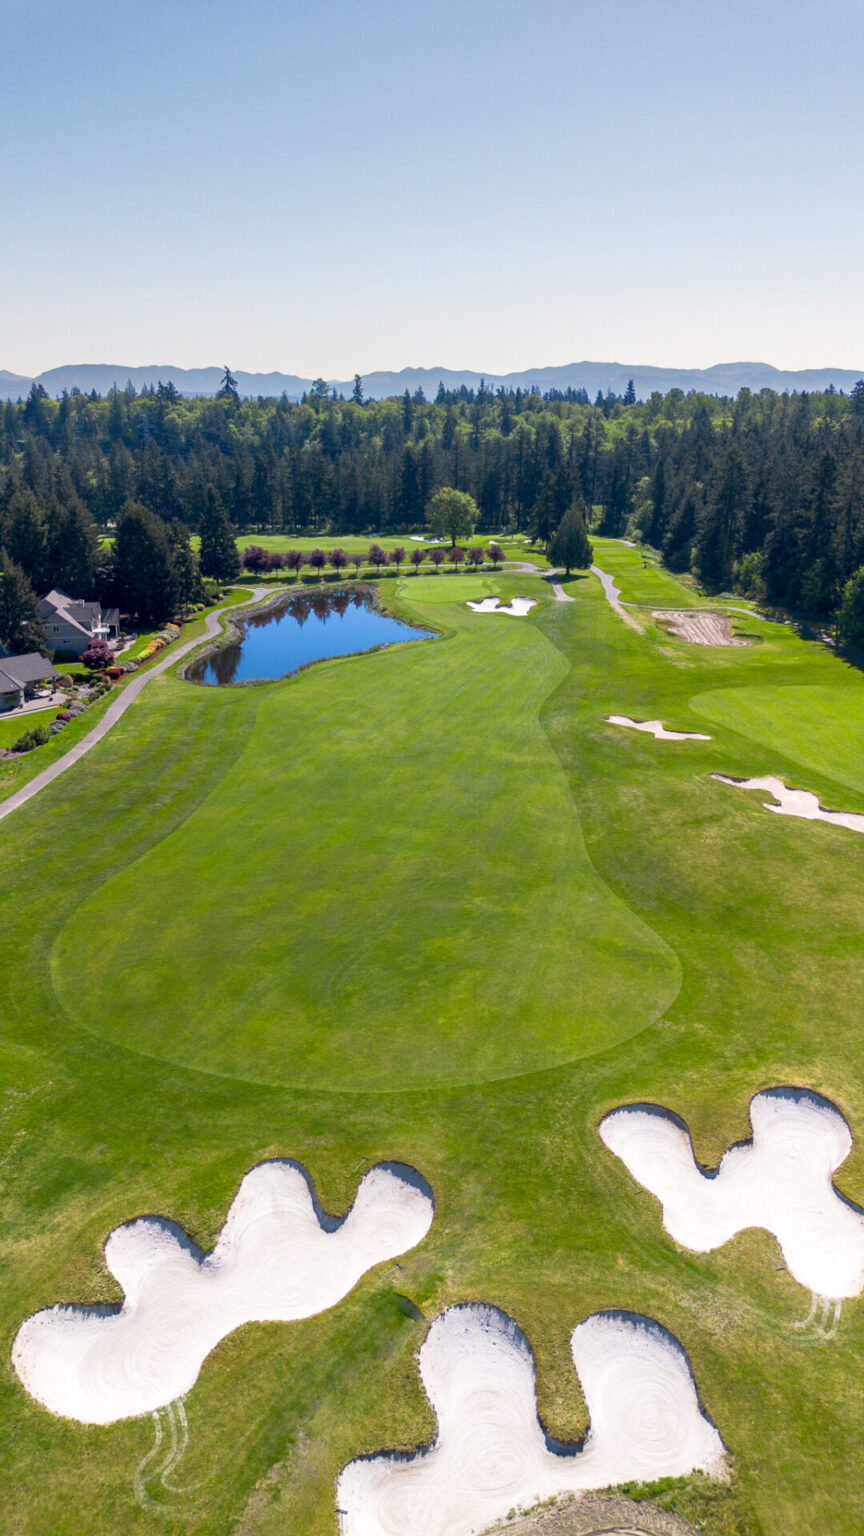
[415, 903]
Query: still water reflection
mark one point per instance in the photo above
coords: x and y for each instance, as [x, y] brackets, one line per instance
[307, 627]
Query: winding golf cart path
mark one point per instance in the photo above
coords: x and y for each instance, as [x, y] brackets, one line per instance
[119, 706]
[613, 596]
[530, 568]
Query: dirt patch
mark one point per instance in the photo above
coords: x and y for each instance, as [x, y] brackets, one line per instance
[595, 1515]
[698, 626]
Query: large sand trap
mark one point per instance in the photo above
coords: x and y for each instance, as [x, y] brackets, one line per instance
[781, 1180]
[656, 729]
[699, 626]
[518, 607]
[491, 1454]
[795, 802]
[278, 1258]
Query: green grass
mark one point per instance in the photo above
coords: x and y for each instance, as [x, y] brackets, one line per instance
[13, 726]
[641, 579]
[426, 904]
[16, 772]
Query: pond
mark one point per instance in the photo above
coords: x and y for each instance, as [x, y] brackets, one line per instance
[308, 626]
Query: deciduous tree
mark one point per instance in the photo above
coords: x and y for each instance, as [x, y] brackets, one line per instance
[452, 514]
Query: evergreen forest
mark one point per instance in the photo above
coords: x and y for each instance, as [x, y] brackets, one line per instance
[763, 494]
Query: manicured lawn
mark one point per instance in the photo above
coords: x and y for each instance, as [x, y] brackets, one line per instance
[427, 905]
[13, 726]
[641, 579]
[14, 773]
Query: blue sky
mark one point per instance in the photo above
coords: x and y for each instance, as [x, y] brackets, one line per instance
[324, 186]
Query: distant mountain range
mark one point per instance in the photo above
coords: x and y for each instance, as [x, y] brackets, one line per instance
[722, 379]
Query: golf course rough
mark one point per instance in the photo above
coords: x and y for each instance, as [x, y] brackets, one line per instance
[492, 1455]
[278, 1258]
[781, 1181]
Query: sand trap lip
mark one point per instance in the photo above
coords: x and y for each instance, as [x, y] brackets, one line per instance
[795, 802]
[518, 608]
[492, 1454]
[656, 728]
[781, 1181]
[279, 1257]
[699, 626]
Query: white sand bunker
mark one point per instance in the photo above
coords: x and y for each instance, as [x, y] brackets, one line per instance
[795, 802]
[492, 1455]
[278, 1258]
[518, 606]
[699, 626]
[656, 728]
[781, 1180]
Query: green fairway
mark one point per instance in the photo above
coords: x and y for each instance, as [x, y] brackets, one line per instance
[640, 578]
[416, 976]
[427, 905]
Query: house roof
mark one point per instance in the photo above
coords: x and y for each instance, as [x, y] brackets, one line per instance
[73, 609]
[21, 670]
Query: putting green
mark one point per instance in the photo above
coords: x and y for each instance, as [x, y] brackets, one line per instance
[447, 589]
[319, 921]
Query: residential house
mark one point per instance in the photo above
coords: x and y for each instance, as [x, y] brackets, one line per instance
[21, 677]
[70, 624]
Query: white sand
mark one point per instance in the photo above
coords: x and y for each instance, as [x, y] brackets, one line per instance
[491, 1454]
[277, 1258]
[656, 729]
[699, 626]
[781, 1180]
[795, 802]
[518, 608]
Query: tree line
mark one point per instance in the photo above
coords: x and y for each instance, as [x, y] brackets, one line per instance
[763, 493]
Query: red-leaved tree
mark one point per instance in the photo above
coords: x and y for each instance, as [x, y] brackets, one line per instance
[98, 655]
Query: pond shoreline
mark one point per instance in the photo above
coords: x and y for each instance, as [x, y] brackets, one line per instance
[234, 632]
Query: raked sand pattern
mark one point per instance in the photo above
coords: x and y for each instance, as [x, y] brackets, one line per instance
[656, 729]
[795, 802]
[492, 1456]
[517, 609]
[699, 626]
[781, 1181]
[278, 1258]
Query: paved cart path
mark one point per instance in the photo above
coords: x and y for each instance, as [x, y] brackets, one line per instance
[614, 597]
[119, 706]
